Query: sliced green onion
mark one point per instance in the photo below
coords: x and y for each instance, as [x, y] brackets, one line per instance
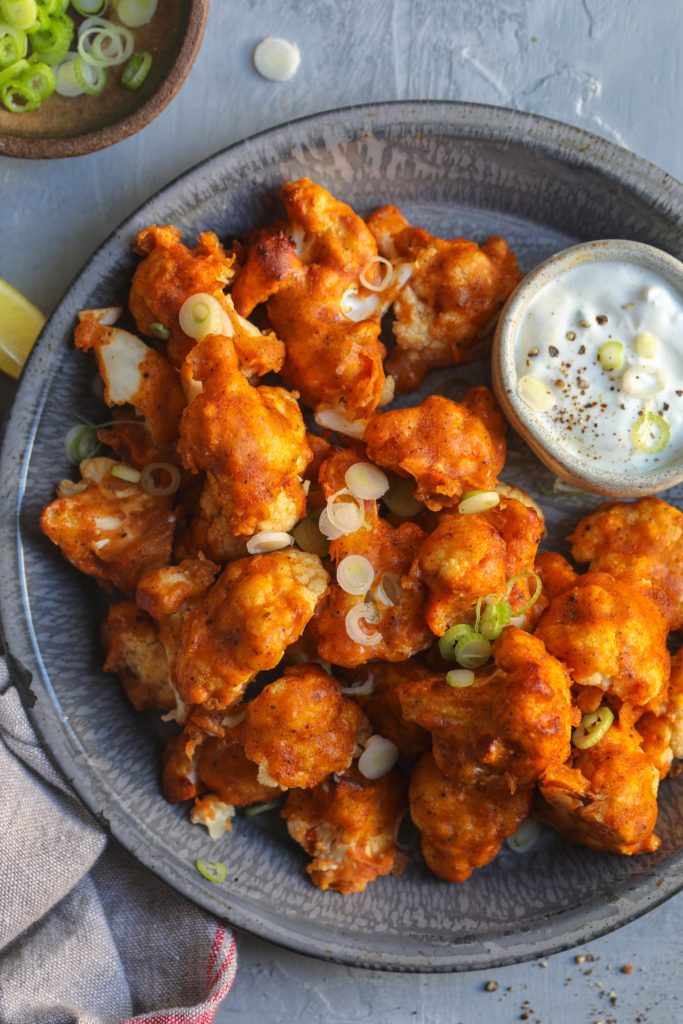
[593, 727]
[81, 443]
[202, 314]
[452, 637]
[494, 619]
[92, 79]
[135, 12]
[459, 678]
[646, 346]
[650, 433]
[40, 77]
[537, 592]
[89, 7]
[363, 689]
[366, 481]
[13, 71]
[355, 575]
[21, 14]
[136, 70]
[535, 393]
[260, 808]
[65, 79]
[105, 47]
[160, 490]
[126, 473]
[159, 331]
[17, 96]
[269, 540]
[51, 41]
[13, 45]
[400, 499]
[309, 538]
[213, 870]
[478, 501]
[611, 355]
[525, 836]
[471, 652]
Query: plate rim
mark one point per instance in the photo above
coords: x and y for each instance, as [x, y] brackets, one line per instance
[470, 120]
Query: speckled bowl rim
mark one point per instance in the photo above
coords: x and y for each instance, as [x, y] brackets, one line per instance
[537, 435]
[45, 148]
[561, 930]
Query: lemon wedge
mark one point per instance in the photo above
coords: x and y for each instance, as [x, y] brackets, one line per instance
[20, 325]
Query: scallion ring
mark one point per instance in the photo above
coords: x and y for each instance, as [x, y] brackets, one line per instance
[494, 619]
[378, 758]
[452, 637]
[213, 870]
[362, 613]
[51, 41]
[91, 78]
[89, 7]
[81, 442]
[148, 479]
[254, 809]
[611, 355]
[128, 473]
[65, 79]
[526, 835]
[308, 536]
[366, 481]
[136, 70]
[363, 689]
[135, 13]
[13, 45]
[269, 540]
[650, 434]
[472, 651]
[400, 499]
[593, 727]
[355, 575]
[159, 331]
[21, 14]
[478, 501]
[537, 591]
[373, 264]
[18, 96]
[202, 314]
[13, 71]
[459, 678]
[40, 77]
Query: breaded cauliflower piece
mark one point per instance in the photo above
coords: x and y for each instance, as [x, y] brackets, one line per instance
[301, 728]
[662, 733]
[302, 270]
[136, 655]
[383, 707]
[472, 556]
[611, 637]
[640, 542]
[135, 374]
[172, 272]
[446, 312]
[444, 446]
[109, 528]
[606, 798]
[348, 824]
[512, 723]
[250, 441]
[462, 827]
[557, 575]
[257, 607]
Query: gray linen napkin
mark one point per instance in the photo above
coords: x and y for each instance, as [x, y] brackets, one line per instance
[87, 936]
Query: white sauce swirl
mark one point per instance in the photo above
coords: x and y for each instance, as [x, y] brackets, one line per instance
[592, 408]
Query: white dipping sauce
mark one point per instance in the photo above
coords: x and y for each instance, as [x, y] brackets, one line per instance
[601, 414]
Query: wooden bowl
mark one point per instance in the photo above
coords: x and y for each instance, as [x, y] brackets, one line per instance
[64, 126]
[545, 439]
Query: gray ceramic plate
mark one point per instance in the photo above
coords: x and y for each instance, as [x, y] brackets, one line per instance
[456, 170]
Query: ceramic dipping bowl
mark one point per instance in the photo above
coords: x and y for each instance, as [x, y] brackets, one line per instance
[69, 126]
[598, 398]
